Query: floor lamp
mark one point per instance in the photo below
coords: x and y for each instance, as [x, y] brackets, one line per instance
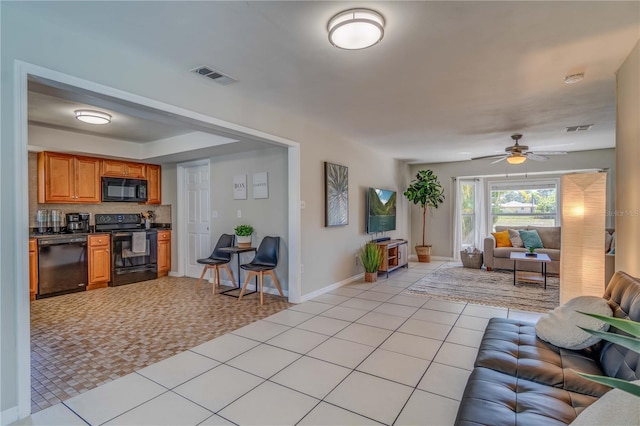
[583, 228]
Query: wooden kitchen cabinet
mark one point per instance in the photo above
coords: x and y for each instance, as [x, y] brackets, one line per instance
[99, 261]
[65, 178]
[153, 184]
[33, 268]
[123, 169]
[164, 253]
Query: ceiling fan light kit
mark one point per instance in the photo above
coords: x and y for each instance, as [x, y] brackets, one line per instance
[518, 154]
[93, 117]
[516, 159]
[356, 29]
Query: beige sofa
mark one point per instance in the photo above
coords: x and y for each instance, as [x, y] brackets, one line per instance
[498, 257]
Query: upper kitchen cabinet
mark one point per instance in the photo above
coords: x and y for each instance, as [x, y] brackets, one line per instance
[64, 178]
[123, 169]
[153, 184]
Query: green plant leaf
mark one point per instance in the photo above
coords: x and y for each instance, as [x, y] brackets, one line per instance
[628, 326]
[624, 385]
[628, 342]
[371, 257]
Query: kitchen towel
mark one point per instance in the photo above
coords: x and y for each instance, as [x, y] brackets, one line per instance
[139, 242]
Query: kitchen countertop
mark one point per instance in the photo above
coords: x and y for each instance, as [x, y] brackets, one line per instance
[155, 226]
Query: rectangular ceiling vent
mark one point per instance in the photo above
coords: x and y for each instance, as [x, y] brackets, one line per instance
[214, 75]
[580, 128]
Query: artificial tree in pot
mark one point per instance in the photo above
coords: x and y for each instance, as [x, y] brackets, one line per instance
[425, 191]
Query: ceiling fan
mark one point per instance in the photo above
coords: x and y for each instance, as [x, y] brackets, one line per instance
[518, 154]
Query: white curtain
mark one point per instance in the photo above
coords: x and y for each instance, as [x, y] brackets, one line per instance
[479, 225]
[457, 218]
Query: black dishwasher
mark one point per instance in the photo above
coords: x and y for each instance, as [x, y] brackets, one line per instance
[62, 265]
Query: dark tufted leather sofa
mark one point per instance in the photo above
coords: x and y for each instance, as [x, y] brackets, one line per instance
[520, 380]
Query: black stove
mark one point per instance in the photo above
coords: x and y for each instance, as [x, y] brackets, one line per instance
[134, 249]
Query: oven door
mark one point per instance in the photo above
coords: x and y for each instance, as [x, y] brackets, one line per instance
[134, 256]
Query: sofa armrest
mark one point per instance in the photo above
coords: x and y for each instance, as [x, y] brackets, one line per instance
[489, 245]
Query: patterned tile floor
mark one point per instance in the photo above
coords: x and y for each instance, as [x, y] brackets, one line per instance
[83, 340]
[361, 354]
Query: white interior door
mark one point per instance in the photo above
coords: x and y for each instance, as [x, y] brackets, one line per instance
[198, 237]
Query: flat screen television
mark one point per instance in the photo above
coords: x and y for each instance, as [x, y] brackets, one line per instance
[381, 210]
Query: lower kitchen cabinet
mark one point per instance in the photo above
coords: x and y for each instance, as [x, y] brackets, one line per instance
[33, 268]
[164, 253]
[99, 261]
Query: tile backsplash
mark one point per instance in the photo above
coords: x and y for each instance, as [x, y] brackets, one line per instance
[162, 213]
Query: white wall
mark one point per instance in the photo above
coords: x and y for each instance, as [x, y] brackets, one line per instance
[440, 221]
[627, 158]
[327, 253]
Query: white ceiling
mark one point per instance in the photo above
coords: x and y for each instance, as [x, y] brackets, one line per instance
[449, 81]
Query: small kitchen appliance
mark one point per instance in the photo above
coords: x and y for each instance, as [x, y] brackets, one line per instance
[77, 222]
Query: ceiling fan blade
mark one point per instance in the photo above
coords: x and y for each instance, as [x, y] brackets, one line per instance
[550, 152]
[490, 156]
[499, 160]
[536, 157]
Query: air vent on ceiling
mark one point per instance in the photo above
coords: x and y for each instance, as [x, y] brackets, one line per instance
[580, 128]
[214, 75]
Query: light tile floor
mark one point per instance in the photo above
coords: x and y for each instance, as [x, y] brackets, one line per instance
[361, 354]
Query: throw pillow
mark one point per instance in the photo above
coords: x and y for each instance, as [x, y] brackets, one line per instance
[531, 239]
[502, 238]
[560, 326]
[514, 237]
[615, 407]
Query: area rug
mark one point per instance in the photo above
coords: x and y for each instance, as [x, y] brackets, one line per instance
[453, 282]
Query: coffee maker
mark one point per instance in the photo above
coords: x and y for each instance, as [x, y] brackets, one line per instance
[77, 222]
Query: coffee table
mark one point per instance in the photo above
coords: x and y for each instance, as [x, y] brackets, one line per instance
[541, 258]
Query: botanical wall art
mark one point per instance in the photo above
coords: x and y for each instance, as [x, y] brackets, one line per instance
[336, 187]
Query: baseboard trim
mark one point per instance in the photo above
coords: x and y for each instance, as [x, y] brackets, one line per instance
[174, 274]
[9, 416]
[328, 288]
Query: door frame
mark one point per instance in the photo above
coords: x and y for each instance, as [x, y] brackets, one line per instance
[182, 211]
[22, 70]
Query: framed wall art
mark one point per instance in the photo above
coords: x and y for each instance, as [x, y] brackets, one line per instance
[260, 185]
[336, 189]
[240, 187]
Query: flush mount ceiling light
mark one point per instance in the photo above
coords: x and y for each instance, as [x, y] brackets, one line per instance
[356, 29]
[93, 117]
[574, 78]
[516, 158]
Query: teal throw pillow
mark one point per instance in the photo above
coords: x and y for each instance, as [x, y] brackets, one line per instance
[531, 239]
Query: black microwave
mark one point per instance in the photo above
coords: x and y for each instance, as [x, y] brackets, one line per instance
[121, 189]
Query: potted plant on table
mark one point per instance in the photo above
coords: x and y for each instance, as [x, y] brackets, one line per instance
[243, 235]
[425, 191]
[370, 256]
[532, 252]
